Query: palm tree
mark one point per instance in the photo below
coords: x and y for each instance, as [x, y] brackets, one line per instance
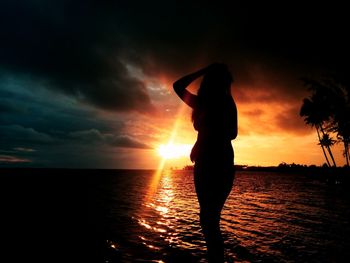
[317, 112]
[328, 109]
[309, 110]
[328, 141]
[341, 115]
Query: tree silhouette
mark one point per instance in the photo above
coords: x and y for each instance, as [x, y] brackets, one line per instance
[328, 142]
[340, 123]
[312, 111]
[328, 110]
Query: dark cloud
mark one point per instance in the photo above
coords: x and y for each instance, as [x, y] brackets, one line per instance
[95, 136]
[71, 47]
[87, 148]
[7, 107]
[47, 111]
[12, 159]
[289, 121]
[19, 134]
[128, 142]
[21, 149]
[83, 47]
[42, 130]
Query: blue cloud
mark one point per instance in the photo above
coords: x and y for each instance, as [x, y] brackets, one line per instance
[45, 128]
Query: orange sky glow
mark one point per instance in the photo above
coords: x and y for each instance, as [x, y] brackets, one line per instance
[265, 137]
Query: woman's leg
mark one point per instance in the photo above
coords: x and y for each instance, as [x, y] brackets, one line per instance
[212, 195]
[210, 223]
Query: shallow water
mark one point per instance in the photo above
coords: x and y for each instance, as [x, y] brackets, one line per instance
[268, 217]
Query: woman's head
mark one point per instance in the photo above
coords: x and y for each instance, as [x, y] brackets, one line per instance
[214, 89]
[216, 82]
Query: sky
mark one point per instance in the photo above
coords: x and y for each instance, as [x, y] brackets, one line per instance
[88, 84]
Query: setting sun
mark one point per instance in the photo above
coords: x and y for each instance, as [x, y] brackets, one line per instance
[173, 151]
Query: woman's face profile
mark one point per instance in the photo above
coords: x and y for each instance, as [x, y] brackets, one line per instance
[217, 82]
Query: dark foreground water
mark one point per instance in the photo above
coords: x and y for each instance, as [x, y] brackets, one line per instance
[139, 216]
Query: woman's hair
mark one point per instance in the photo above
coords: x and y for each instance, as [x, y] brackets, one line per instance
[214, 89]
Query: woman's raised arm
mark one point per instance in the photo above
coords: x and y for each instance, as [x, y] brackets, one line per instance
[181, 84]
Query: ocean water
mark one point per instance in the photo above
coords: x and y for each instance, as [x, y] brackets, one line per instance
[268, 217]
[145, 216]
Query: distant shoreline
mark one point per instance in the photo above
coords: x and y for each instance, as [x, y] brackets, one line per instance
[280, 168]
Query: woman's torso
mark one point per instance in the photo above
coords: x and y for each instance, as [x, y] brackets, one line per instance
[213, 142]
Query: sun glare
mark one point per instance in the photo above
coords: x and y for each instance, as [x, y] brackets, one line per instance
[173, 151]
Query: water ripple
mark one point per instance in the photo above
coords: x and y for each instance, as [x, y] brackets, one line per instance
[267, 218]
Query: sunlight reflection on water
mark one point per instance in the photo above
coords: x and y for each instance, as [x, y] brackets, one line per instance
[267, 217]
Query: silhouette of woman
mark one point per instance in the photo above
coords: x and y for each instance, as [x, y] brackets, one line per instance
[214, 116]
